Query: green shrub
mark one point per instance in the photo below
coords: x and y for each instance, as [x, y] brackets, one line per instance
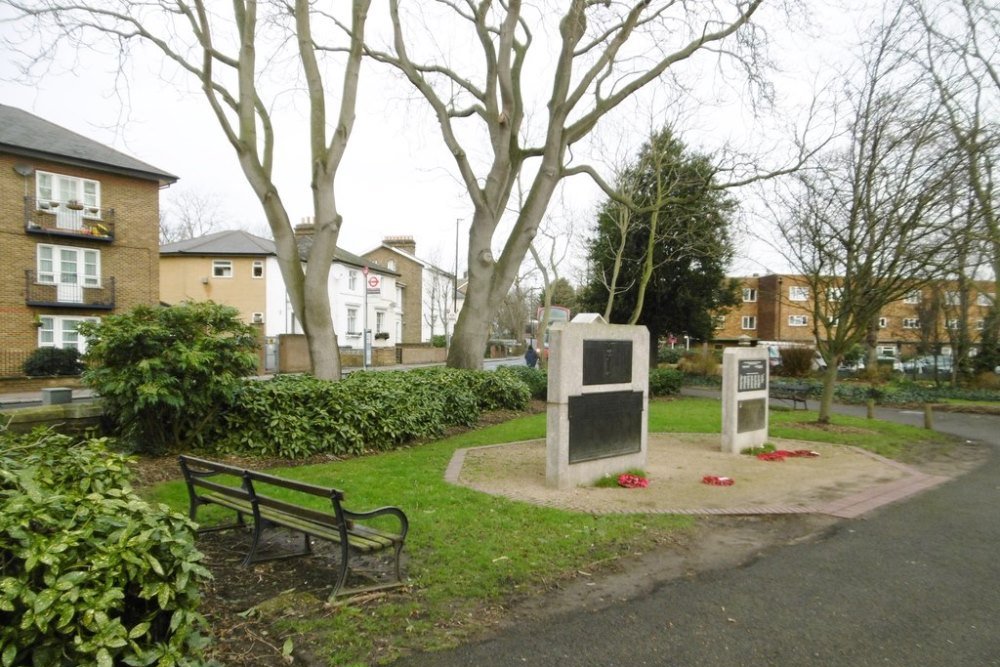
[665, 382]
[796, 361]
[699, 362]
[537, 379]
[669, 355]
[53, 361]
[297, 416]
[90, 574]
[439, 340]
[165, 373]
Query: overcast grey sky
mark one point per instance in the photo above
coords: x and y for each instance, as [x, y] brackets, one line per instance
[397, 177]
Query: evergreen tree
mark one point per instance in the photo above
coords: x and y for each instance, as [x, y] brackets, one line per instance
[659, 258]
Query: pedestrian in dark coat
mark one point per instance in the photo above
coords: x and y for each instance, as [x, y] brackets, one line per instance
[531, 356]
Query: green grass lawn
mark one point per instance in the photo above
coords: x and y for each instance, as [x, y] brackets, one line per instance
[469, 552]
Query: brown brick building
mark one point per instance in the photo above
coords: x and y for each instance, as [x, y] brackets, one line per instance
[79, 234]
[778, 309]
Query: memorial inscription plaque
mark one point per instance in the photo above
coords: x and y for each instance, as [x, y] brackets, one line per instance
[605, 425]
[607, 361]
[750, 415]
[752, 375]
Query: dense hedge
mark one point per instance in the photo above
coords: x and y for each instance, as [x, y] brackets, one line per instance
[90, 574]
[53, 361]
[665, 382]
[297, 416]
[536, 379]
[902, 393]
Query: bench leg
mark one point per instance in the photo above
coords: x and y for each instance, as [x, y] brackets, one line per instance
[258, 531]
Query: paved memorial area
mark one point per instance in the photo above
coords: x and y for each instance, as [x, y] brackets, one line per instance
[842, 481]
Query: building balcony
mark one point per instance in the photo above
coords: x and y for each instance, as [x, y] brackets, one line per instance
[52, 295]
[69, 219]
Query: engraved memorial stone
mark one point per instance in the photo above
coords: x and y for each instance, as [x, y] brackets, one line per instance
[750, 415]
[752, 375]
[604, 425]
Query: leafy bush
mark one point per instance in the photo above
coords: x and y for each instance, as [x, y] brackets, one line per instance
[537, 380]
[699, 362]
[665, 381]
[439, 340]
[669, 355]
[164, 373]
[297, 416]
[53, 361]
[796, 361]
[90, 574]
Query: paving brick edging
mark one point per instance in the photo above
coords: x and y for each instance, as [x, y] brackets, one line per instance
[851, 507]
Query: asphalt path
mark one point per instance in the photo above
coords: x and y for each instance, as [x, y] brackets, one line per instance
[912, 584]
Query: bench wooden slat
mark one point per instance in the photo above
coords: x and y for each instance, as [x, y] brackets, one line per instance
[250, 495]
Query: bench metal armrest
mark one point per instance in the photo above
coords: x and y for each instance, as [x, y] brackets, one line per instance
[381, 511]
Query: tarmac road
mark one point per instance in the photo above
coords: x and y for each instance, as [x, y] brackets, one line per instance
[913, 584]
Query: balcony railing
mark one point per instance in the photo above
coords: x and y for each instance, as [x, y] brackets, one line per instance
[63, 295]
[56, 218]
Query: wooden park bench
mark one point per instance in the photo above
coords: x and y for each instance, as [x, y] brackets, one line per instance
[274, 501]
[793, 393]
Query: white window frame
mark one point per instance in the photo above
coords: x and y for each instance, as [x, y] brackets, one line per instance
[913, 297]
[352, 321]
[911, 322]
[352, 281]
[54, 330]
[984, 299]
[223, 268]
[720, 321]
[886, 351]
[883, 322]
[379, 321]
[835, 294]
[980, 325]
[749, 295]
[257, 269]
[798, 320]
[798, 293]
[257, 318]
[59, 188]
[54, 273]
[748, 323]
[399, 298]
[952, 298]
[952, 324]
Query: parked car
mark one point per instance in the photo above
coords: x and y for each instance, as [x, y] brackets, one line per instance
[926, 364]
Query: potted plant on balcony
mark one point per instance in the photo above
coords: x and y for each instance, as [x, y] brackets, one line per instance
[74, 205]
[382, 335]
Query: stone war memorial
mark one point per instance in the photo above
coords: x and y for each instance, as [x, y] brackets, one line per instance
[744, 398]
[597, 406]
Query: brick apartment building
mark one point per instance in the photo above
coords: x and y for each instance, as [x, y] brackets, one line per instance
[79, 233]
[777, 309]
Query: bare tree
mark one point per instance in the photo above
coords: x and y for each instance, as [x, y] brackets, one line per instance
[867, 225]
[225, 53]
[549, 253]
[189, 214]
[960, 51]
[603, 54]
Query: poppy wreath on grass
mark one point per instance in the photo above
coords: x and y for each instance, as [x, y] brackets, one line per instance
[632, 481]
[714, 480]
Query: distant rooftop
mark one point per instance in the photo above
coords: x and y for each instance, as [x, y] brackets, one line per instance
[27, 135]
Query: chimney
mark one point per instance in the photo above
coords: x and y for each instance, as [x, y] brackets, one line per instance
[404, 243]
[306, 228]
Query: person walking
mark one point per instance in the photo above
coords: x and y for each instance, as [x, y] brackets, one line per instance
[531, 356]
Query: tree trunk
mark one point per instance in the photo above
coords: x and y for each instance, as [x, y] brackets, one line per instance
[826, 398]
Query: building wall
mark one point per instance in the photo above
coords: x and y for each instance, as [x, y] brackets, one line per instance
[411, 275]
[131, 259]
[184, 278]
[775, 306]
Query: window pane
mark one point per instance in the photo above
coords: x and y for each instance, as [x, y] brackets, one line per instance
[44, 186]
[91, 193]
[69, 189]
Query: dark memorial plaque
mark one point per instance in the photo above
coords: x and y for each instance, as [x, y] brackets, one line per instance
[607, 361]
[750, 415]
[752, 375]
[603, 425]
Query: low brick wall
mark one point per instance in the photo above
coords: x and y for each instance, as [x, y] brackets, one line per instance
[16, 385]
[71, 418]
[423, 354]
